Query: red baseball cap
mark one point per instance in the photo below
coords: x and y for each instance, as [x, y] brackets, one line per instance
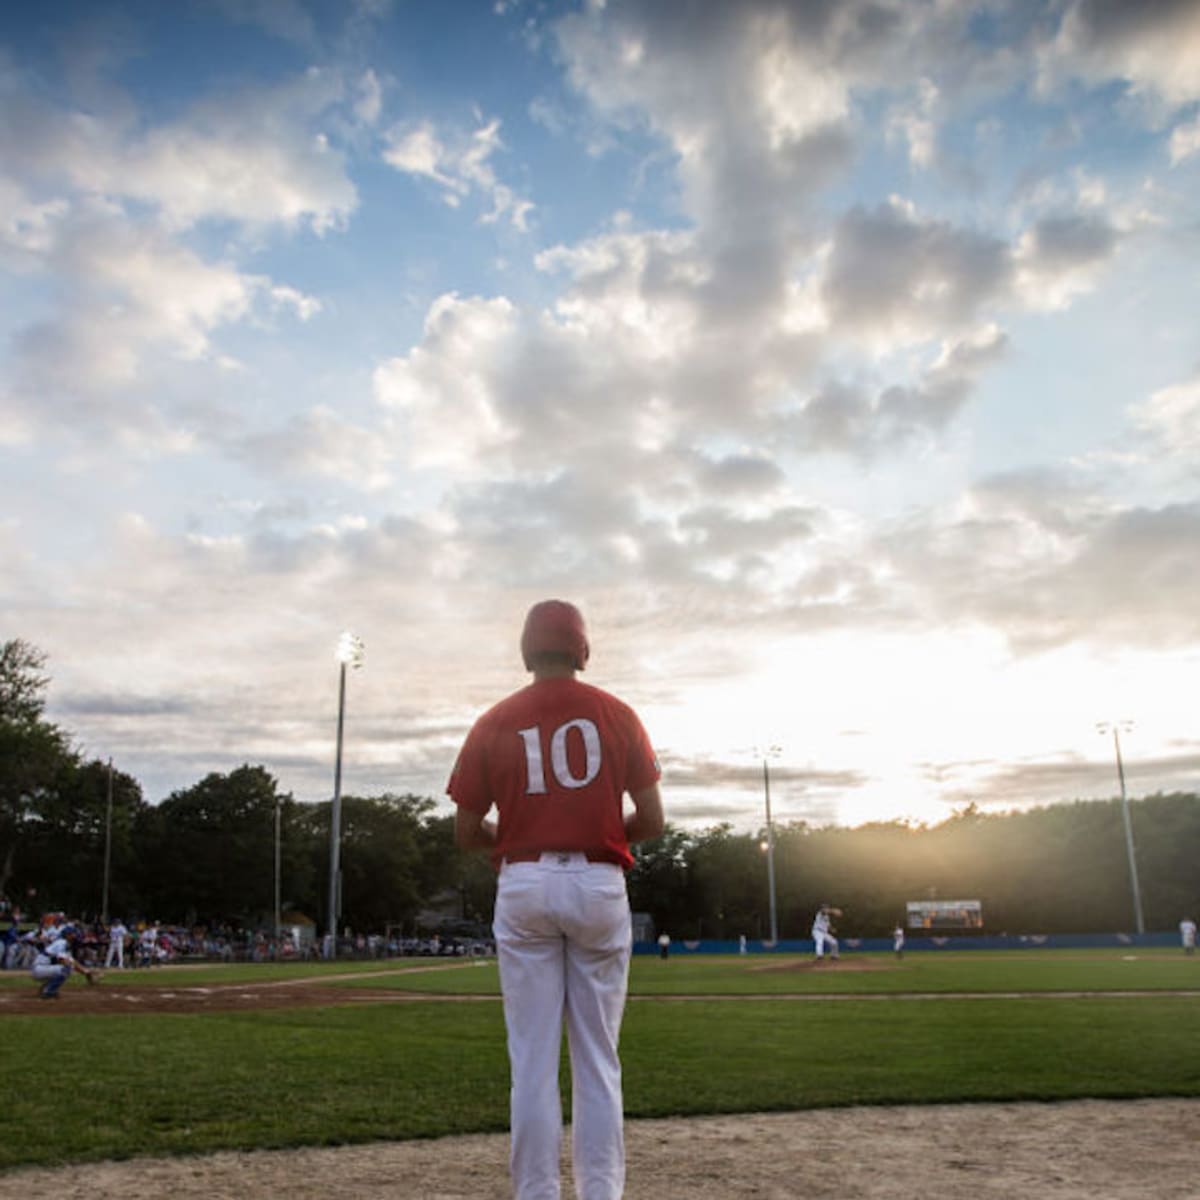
[554, 627]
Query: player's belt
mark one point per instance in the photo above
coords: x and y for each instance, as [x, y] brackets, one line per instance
[519, 856]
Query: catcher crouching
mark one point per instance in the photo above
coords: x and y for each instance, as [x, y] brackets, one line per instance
[55, 962]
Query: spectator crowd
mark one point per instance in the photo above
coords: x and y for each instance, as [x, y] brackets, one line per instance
[145, 944]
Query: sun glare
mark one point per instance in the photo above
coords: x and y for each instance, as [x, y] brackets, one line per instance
[885, 729]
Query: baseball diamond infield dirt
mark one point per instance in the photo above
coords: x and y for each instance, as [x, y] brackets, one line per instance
[1081, 1150]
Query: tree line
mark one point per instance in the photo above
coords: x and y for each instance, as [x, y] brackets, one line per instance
[1061, 868]
[206, 854]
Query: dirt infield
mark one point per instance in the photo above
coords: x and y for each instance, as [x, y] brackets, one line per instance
[109, 996]
[120, 993]
[1081, 1150]
[112, 998]
[841, 966]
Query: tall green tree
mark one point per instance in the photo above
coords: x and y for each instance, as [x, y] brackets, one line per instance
[34, 755]
[729, 879]
[210, 849]
[662, 882]
[444, 867]
[381, 860]
[63, 847]
[397, 856]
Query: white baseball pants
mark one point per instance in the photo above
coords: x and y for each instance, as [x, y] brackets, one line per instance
[563, 939]
[51, 977]
[821, 941]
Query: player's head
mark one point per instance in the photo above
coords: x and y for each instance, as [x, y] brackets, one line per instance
[554, 631]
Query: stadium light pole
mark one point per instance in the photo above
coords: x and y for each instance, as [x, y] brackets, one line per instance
[107, 844]
[278, 856]
[1115, 727]
[349, 654]
[769, 845]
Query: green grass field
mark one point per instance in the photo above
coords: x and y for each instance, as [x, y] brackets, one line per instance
[930, 1029]
[957, 971]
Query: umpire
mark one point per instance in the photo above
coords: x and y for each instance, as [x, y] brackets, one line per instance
[556, 760]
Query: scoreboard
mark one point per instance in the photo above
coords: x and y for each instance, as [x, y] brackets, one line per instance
[945, 914]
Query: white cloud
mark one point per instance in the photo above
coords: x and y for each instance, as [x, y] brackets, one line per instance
[16, 429]
[1153, 47]
[1061, 256]
[744, 474]
[915, 123]
[1170, 419]
[896, 274]
[253, 156]
[137, 299]
[284, 19]
[769, 127]
[459, 165]
[166, 292]
[445, 392]
[417, 151]
[643, 289]
[27, 227]
[851, 419]
[305, 307]
[369, 105]
[1185, 140]
[320, 444]
[1050, 564]
[100, 203]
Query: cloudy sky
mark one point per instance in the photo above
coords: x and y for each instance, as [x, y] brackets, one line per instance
[840, 360]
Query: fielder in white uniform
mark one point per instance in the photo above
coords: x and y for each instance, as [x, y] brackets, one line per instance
[822, 934]
[147, 946]
[556, 759]
[898, 941]
[117, 933]
[1187, 934]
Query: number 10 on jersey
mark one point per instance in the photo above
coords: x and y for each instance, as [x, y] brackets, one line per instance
[535, 772]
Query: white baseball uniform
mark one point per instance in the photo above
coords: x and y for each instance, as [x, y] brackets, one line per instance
[1187, 933]
[117, 933]
[822, 937]
[148, 946]
[52, 965]
[556, 759]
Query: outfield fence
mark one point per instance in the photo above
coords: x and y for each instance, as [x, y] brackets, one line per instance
[1023, 941]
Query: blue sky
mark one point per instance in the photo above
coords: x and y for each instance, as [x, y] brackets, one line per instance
[839, 360]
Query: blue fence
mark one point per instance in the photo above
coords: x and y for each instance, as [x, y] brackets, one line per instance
[1049, 941]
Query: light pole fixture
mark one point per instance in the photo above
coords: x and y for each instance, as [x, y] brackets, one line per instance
[1115, 728]
[769, 845]
[349, 654]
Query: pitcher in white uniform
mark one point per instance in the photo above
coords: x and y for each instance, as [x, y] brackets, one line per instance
[822, 934]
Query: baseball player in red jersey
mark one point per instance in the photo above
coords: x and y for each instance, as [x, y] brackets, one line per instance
[556, 760]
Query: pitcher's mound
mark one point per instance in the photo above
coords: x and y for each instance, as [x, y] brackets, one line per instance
[849, 963]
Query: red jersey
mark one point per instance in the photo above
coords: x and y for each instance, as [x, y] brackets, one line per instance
[556, 759]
